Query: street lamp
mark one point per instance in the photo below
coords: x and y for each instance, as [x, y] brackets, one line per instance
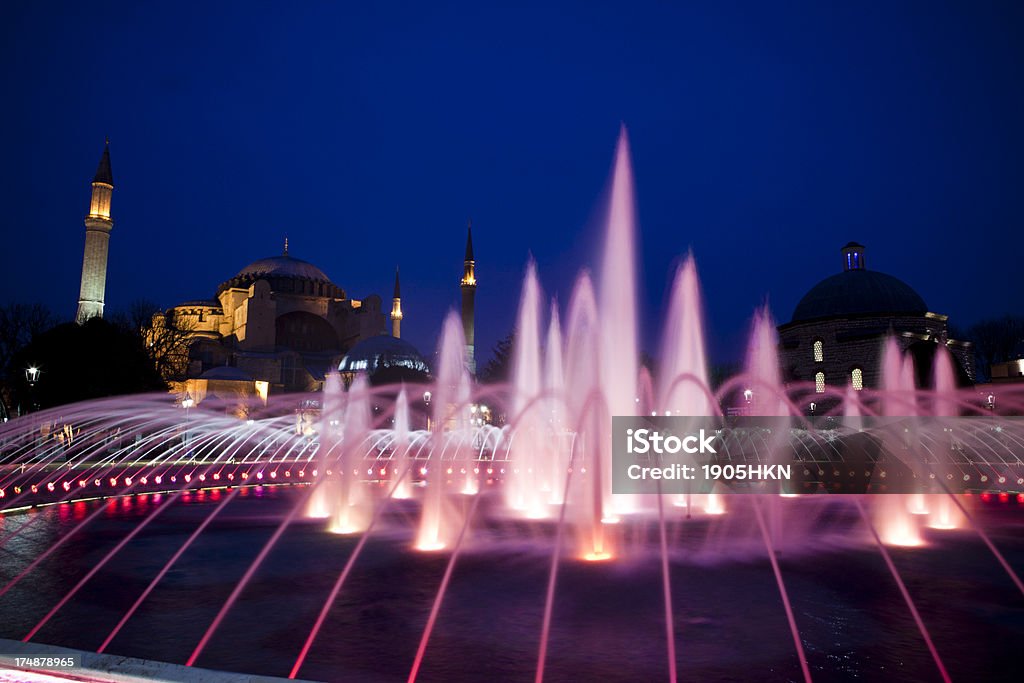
[186, 403]
[32, 374]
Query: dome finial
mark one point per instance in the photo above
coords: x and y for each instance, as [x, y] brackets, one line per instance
[286, 245]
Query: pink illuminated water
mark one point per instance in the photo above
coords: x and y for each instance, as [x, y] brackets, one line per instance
[375, 465]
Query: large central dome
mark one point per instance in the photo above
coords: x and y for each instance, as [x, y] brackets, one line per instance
[858, 291]
[282, 266]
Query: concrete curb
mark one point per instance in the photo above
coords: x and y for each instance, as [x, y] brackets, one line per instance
[117, 669]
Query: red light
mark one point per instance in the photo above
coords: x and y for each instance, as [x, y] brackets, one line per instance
[113, 481]
[127, 481]
[174, 478]
[245, 475]
[35, 489]
[188, 478]
[81, 483]
[17, 489]
[231, 476]
[216, 476]
[66, 485]
[986, 497]
[1003, 497]
[1020, 497]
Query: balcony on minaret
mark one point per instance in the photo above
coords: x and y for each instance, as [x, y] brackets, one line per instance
[468, 277]
[99, 207]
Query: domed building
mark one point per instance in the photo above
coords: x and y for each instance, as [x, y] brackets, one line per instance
[385, 359]
[835, 337]
[279, 321]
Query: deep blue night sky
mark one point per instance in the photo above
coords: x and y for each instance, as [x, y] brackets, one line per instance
[765, 136]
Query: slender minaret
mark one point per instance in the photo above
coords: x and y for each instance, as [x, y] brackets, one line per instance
[97, 236]
[396, 310]
[468, 286]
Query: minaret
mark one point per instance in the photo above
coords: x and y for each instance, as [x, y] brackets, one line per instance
[468, 286]
[97, 236]
[396, 310]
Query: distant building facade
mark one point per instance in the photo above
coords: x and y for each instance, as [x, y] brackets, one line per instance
[280, 321]
[836, 335]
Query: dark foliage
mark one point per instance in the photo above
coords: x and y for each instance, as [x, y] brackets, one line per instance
[80, 362]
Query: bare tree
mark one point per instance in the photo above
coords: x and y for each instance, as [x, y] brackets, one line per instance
[997, 340]
[19, 323]
[167, 336]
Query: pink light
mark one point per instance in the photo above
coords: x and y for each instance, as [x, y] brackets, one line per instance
[50, 486]
[259, 475]
[66, 485]
[287, 473]
[159, 479]
[314, 473]
[113, 481]
[174, 478]
[245, 475]
[231, 476]
[127, 481]
[202, 477]
[2, 493]
[383, 471]
[302, 473]
[188, 478]
[144, 481]
[273, 474]
[81, 483]
[216, 476]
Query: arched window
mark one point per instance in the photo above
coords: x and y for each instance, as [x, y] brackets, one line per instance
[819, 382]
[857, 379]
[819, 351]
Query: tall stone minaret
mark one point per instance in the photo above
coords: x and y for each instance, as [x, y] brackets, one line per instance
[98, 225]
[468, 286]
[396, 310]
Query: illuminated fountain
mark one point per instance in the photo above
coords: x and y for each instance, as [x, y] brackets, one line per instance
[377, 492]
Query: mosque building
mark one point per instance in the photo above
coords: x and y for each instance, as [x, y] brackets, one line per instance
[835, 337]
[279, 324]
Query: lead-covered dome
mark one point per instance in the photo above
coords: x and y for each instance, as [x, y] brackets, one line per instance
[282, 266]
[858, 291]
[286, 274]
[383, 351]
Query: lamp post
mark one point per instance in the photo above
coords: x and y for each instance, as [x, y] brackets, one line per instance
[32, 374]
[186, 403]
